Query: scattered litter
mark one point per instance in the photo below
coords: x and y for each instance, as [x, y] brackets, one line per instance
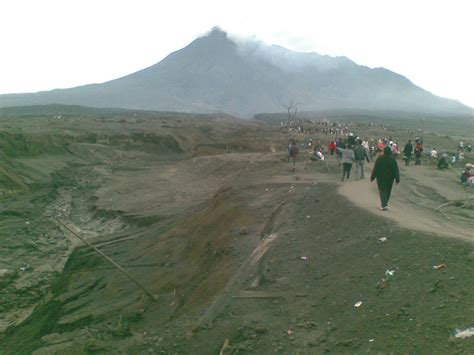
[304, 258]
[358, 304]
[290, 332]
[383, 239]
[23, 268]
[440, 266]
[267, 190]
[389, 273]
[27, 222]
[308, 216]
[371, 340]
[464, 333]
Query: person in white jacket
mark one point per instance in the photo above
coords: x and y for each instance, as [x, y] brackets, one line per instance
[348, 158]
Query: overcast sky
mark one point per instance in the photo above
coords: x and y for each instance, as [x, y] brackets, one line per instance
[47, 44]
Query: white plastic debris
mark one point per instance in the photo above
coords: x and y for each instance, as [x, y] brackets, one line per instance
[304, 258]
[358, 304]
[383, 239]
[465, 333]
[389, 273]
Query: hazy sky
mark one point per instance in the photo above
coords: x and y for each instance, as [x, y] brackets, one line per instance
[48, 44]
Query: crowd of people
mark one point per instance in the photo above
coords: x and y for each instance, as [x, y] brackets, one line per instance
[352, 150]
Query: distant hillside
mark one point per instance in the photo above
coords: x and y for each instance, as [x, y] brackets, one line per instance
[58, 110]
[216, 74]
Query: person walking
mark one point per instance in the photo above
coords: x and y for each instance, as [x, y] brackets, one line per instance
[342, 145]
[332, 147]
[407, 152]
[361, 155]
[293, 153]
[347, 158]
[418, 150]
[385, 171]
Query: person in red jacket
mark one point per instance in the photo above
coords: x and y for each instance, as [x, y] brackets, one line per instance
[418, 150]
[332, 147]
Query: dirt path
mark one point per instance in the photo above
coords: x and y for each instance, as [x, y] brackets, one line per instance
[414, 202]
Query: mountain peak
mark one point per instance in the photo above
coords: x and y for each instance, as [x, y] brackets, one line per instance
[218, 72]
[213, 41]
[216, 31]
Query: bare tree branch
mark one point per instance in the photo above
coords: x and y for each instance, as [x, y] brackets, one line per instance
[292, 110]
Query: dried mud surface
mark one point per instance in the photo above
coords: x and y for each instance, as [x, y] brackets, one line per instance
[240, 253]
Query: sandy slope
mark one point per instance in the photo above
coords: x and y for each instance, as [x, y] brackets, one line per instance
[412, 208]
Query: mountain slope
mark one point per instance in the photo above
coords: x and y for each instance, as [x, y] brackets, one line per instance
[215, 73]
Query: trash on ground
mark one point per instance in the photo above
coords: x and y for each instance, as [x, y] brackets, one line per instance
[304, 258]
[464, 333]
[358, 304]
[383, 239]
[308, 216]
[371, 340]
[290, 332]
[389, 273]
[439, 266]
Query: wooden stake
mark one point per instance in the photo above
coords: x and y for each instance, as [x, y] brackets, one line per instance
[224, 347]
[117, 266]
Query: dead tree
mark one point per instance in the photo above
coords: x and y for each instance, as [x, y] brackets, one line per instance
[292, 110]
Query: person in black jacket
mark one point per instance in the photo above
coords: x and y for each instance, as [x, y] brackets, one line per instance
[408, 151]
[361, 154]
[385, 171]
